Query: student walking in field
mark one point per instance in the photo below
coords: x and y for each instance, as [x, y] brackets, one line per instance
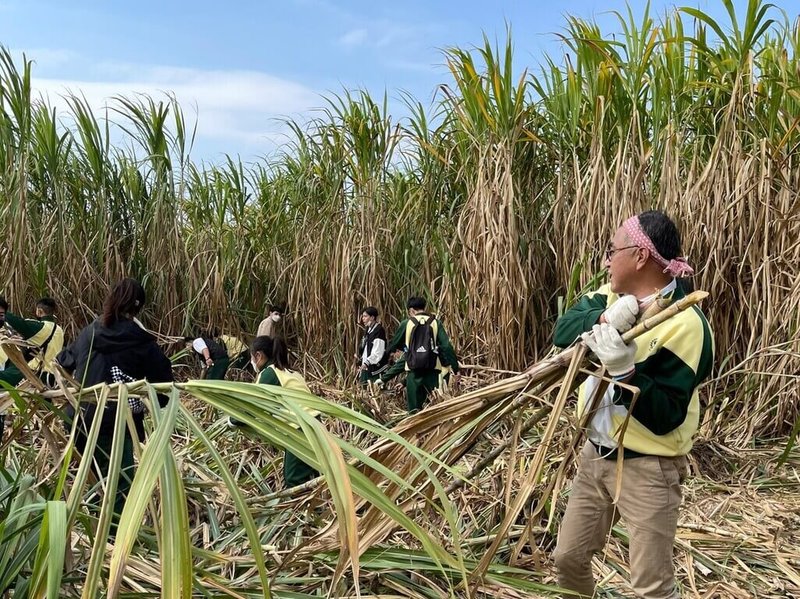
[270, 360]
[394, 370]
[428, 352]
[373, 358]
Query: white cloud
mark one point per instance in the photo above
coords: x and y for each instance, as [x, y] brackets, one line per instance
[393, 39]
[45, 58]
[353, 38]
[238, 106]
[389, 35]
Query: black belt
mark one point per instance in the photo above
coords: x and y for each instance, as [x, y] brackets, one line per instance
[610, 453]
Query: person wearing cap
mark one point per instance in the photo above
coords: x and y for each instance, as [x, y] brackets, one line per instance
[666, 364]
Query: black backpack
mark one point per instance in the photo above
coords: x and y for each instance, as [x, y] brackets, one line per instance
[422, 350]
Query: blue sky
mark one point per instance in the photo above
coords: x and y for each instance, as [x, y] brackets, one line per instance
[238, 67]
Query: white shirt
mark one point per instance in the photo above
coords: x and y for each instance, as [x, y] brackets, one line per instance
[199, 345]
[378, 348]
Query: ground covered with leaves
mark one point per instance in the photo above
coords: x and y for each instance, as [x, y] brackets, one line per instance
[738, 536]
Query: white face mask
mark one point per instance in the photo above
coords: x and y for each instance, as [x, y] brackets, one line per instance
[253, 363]
[275, 317]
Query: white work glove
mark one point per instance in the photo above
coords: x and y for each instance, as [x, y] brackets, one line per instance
[610, 349]
[622, 313]
[379, 384]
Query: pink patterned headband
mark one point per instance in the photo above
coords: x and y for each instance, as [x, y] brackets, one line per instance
[677, 267]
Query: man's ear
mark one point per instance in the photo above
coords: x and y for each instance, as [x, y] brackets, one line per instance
[642, 256]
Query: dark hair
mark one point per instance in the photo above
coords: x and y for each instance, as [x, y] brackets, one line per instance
[3, 303]
[48, 305]
[662, 232]
[417, 303]
[276, 308]
[126, 299]
[371, 311]
[189, 339]
[273, 348]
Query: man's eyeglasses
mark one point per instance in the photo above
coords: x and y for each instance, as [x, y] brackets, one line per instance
[611, 250]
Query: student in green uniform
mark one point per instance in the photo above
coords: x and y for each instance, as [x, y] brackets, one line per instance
[238, 352]
[43, 333]
[397, 368]
[270, 360]
[212, 354]
[428, 352]
[666, 364]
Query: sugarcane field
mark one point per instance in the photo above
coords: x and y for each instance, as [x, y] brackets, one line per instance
[531, 332]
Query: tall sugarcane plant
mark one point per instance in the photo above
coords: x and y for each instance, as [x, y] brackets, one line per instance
[483, 201]
[495, 202]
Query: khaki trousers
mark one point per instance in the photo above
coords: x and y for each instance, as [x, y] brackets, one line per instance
[648, 503]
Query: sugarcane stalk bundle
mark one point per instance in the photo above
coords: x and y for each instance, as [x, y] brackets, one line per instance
[448, 430]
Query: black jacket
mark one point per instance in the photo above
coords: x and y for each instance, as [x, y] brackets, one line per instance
[124, 345]
[368, 340]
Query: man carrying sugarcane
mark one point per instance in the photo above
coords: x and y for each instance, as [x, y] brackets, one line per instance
[666, 364]
[428, 352]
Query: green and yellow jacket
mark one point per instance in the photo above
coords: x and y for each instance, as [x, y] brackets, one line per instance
[402, 338]
[45, 334]
[288, 379]
[233, 345]
[671, 361]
